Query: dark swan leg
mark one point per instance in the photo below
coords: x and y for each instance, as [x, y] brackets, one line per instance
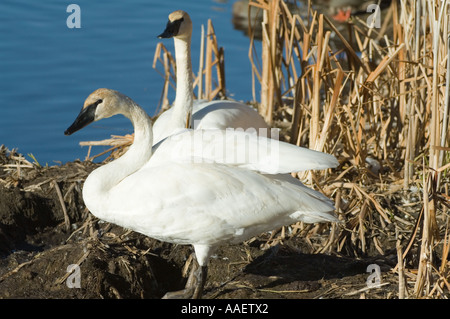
[194, 285]
[199, 282]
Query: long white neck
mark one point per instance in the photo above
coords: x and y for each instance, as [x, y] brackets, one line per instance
[184, 97]
[104, 178]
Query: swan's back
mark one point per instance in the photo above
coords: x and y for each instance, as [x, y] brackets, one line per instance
[227, 114]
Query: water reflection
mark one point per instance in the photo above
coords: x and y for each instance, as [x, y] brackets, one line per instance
[339, 12]
[242, 10]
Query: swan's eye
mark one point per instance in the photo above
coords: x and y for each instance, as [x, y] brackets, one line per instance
[99, 101]
[174, 27]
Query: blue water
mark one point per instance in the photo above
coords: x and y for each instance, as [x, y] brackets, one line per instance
[48, 69]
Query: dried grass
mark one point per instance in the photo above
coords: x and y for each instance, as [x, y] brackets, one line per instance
[383, 113]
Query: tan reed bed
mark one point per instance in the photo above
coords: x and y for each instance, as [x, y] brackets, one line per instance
[376, 98]
[383, 113]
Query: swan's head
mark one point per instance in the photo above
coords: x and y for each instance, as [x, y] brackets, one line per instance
[100, 104]
[178, 26]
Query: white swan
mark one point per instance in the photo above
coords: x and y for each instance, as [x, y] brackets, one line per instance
[200, 113]
[163, 194]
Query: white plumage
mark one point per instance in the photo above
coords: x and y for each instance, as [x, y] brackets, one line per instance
[200, 113]
[240, 149]
[173, 194]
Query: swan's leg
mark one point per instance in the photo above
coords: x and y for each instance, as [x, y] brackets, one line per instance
[200, 279]
[194, 285]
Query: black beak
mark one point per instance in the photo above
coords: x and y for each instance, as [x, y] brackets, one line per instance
[86, 116]
[172, 29]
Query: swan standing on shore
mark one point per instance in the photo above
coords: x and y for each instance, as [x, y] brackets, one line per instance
[188, 202]
[201, 114]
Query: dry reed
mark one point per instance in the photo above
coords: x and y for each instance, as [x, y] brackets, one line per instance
[382, 110]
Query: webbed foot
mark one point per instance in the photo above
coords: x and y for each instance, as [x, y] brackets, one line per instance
[194, 285]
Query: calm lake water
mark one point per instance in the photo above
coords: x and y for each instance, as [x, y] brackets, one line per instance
[48, 69]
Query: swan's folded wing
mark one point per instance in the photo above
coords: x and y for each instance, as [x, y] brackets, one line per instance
[212, 203]
[241, 149]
